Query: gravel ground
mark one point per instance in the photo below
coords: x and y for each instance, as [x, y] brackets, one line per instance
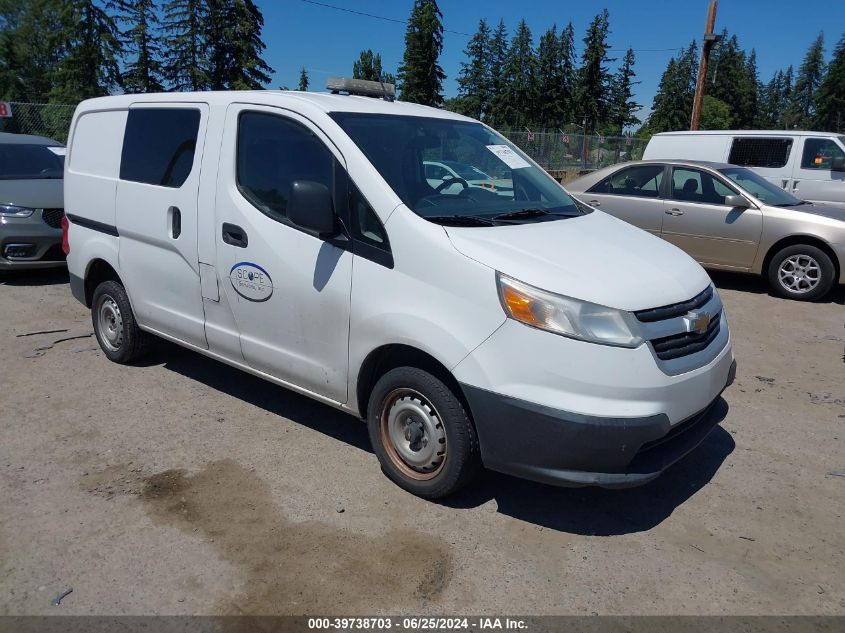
[182, 486]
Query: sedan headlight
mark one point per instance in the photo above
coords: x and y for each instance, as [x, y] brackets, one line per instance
[566, 316]
[13, 211]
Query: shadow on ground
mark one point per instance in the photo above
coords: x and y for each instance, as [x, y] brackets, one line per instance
[590, 511]
[42, 277]
[757, 285]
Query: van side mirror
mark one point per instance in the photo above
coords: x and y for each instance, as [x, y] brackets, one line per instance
[737, 202]
[838, 163]
[310, 207]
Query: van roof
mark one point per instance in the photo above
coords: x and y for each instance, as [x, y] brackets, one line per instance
[746, 133]
[322, 101]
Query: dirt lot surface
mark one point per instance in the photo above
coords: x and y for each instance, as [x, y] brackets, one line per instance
[184, 487]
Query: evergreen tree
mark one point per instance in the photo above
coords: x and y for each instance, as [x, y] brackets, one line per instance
[549, 106]
[519, 80]
[235, 46]
[369, 68]
[801, 112]
[788, 89]
[30, 48]
[732, 79]
[672, 106]
[830, 98]
[420, 74]
[186, 62]
[567, 80]
[143, 68]
[474, 79]
[497, 56]
[623, 107]
[90, 50]
[303, 80]
[771, 102]
[593, 76]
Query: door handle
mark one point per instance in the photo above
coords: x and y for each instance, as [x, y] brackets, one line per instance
[794, 185]
[674, 212]
[234, 235]
[594, 203]
[175, 222]
[784, 183]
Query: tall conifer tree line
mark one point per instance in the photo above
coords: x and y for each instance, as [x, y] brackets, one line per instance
[813, 97]
[63, 51]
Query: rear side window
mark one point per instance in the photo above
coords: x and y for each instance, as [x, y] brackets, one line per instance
[159, 145]
[760, 152]
[273, 152]
[819, 153]
[642, 181]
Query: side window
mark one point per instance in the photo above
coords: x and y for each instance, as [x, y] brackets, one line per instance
[365, 223]
[273, 152]
[158, 145]
[641, 181]
[819, 153]
[692, 185]
[760, 152]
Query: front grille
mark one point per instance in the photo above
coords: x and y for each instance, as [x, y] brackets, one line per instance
[676, 309]
[686, 343]
[53, 217]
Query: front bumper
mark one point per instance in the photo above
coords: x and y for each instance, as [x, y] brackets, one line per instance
[566, 412]
[41, 244]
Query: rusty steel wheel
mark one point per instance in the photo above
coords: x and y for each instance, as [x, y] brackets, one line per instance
[412, 434]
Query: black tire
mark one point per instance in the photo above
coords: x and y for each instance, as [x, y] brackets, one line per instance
[462, 459]
[826, 275]
[132, 343]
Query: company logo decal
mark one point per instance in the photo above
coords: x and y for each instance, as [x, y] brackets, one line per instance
[251, 281]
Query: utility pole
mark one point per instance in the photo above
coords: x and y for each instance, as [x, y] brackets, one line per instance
[710, 39]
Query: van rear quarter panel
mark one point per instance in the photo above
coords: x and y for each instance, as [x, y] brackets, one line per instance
[94, 164]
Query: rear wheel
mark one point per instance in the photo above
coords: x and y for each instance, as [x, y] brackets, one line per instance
[117, 332]
[801, 272]
[421, 433]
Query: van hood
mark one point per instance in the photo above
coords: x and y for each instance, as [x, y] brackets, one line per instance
[38, 193]
[593, 257]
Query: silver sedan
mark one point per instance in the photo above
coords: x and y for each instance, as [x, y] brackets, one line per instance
[727, 218]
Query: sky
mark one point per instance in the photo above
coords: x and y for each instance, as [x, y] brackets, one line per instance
[327, 41]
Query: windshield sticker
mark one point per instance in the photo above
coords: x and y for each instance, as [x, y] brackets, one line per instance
[251, 281]
[508, 156]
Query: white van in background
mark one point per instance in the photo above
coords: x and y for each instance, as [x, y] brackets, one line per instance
[295, 236]
[809, 165]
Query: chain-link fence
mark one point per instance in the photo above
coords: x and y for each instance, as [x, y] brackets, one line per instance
[44, 119]
[561, 151]
[557, 151]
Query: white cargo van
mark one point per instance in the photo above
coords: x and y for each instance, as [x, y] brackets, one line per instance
[295, 236]
[810, 165]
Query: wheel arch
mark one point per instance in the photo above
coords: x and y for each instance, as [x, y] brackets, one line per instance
[390, 356]
[98, 271]
[792, 240]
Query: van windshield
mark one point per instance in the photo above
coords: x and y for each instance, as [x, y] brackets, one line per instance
[20, 161]
[456, 172]
[760, 188]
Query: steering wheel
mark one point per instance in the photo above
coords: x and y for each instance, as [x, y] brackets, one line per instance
[448, 183]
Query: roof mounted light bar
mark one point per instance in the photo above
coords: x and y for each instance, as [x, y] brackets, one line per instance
[361, 87]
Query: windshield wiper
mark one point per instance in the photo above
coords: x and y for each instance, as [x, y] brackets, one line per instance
[522, 213]
[458, 220]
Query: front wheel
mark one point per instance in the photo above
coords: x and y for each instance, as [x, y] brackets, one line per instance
[421, 433]
[117, 332]
[801, 272]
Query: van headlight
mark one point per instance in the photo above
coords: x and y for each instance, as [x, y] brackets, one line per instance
[566, 316]
[13, 211]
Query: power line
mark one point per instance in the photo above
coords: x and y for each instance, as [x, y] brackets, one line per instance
[371, 15]
[398, 21]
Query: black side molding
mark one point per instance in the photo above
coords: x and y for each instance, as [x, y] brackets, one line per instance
[108, 229]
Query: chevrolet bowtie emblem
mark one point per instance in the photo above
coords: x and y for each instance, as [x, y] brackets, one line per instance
[699, 322]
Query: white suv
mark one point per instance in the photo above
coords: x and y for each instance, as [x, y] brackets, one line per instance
[295, 236]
